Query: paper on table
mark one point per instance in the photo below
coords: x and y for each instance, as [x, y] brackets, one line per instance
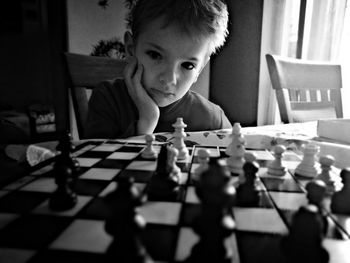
[335, 129]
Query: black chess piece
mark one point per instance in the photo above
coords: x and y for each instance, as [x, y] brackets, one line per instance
[65, 170]
[340, 200]
[304, 242]
[215, 223]
[125, 225]
[163, 185]
[64, 197]
[316, 193]
[248, 192]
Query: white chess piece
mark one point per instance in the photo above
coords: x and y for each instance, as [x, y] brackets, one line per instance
[203, 160]
[275, 167]
[308, 167]
[172, 158]
[328, 175]
[149, 152]
[236, 150]
[179, 135]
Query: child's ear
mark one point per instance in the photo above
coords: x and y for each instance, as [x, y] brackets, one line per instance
[129, 44]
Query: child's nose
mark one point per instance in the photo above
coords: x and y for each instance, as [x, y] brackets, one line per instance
[169, 77]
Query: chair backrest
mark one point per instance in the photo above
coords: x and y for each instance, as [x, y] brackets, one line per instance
[86, 72]
[305, 90]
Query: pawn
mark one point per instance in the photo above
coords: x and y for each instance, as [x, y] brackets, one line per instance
[316, 194]
[276, 167]
[340, 200]
[248, 192]
[124, 224]
[203, 159]
[327, 174]
[149, 152]
[64, 198]
[308, 167]
[304, 242]
[163, 185]
[174, 170]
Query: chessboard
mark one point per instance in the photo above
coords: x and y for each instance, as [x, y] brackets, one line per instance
[31, 232]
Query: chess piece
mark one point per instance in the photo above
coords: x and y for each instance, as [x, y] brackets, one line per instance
[149, 152]
[163, 185]
[340, 200]
[304, 242]
[275, 167]
[215, 222]
[65, 171]
[236, 150]
[203, 159]
[179, 135]
[308, 167]
[66, 147]
[316, 193]
[249, 192]
[174, 170]
[125, 225]
[328, 175]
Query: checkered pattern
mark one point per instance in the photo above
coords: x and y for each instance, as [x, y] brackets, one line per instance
[31, 232]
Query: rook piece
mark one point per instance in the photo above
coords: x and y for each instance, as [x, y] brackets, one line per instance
[125, 225]
[215, 222]
[65, 169]
[340, 200]
[179, 135]
[149, 152]
[275, 167]
[308, 167]
[248, 192]
[328, 175]
[165, 183]
[304, 242]
[236, 150]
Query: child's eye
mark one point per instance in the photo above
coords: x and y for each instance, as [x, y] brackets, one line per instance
[154, 55]
[188, 65]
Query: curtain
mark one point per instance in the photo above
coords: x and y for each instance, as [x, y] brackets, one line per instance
[323, 34]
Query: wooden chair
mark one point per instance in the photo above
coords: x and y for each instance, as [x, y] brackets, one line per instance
[85, 73]
[305, 90]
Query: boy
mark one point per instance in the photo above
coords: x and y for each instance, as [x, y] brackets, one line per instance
[170, 44]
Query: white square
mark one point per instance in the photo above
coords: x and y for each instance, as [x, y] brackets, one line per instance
[20, 182]
[142, 166]
[44, 208]
[213, 152]
[191, 196]
[112, 186]
[289, 201]
[165, 213]
[43, 184]
[187, 239]
[100, 174]
[123, 155]
[264, 220]
[15, 255]
[84, 235]
[107, 147]
[262, 155]
[6, 218]
[88, 162]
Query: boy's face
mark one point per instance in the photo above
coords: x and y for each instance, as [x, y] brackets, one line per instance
[172, 61]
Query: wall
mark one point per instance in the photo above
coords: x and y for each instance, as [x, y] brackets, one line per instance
[234, 75]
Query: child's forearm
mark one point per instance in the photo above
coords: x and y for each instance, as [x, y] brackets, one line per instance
[147, 125]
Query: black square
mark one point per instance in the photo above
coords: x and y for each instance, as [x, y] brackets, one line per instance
[21, 202]
[88, 187]
[33, 231]
[112, 163]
